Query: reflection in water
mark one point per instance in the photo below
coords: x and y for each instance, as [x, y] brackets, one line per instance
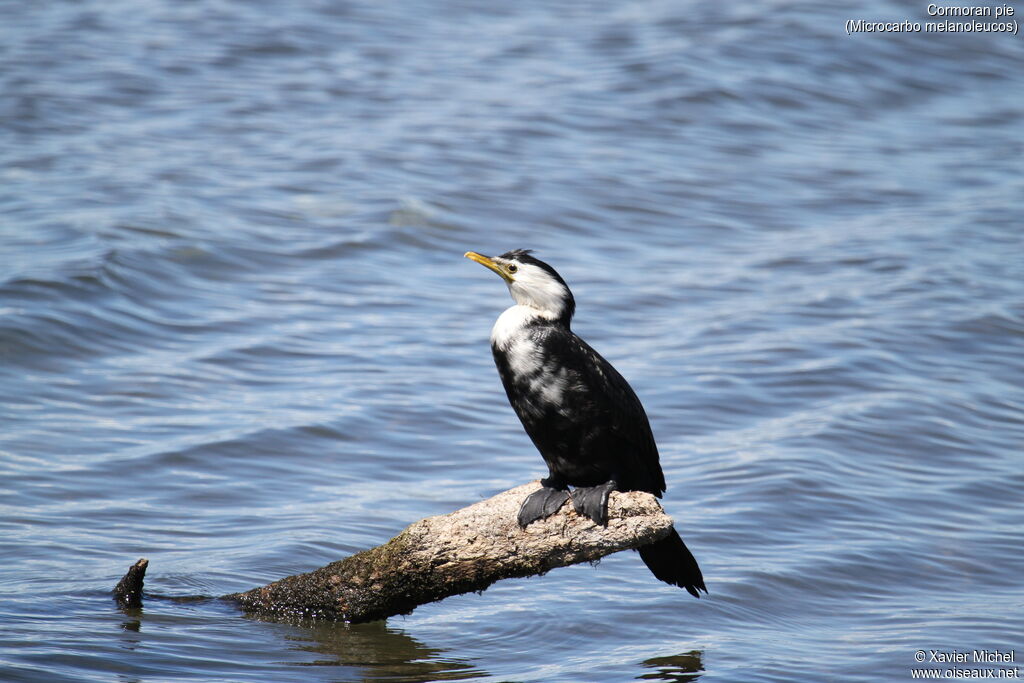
[382, 652]
[683, 667]
[131, 625]
[133, 622]
[130, 638]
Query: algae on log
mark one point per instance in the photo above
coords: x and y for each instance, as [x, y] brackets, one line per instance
[128, 591]
[466, 550]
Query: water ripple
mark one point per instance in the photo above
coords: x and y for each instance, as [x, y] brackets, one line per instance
[237, 336]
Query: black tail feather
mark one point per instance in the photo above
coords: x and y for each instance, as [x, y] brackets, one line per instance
[671, 561]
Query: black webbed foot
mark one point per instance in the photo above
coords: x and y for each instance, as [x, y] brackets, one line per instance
[592, 501]
[541, 504]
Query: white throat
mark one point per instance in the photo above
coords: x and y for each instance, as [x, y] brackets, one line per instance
[511, 324]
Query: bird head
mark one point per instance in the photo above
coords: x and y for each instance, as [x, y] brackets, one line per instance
[531, 282]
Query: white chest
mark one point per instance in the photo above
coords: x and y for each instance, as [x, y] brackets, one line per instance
[544, 381]
[511, 325]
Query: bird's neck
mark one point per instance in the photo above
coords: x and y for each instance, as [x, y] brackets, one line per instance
[514, 322]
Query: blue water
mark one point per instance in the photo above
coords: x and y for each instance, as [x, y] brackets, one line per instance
[238, 336]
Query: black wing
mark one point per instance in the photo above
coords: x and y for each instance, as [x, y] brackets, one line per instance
[630, 441]
[598, 429]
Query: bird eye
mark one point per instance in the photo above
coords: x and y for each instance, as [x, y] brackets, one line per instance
[512, 267]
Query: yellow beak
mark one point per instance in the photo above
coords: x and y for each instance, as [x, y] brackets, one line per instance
[489, 263]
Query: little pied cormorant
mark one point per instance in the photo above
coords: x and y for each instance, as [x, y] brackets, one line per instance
[578, 410]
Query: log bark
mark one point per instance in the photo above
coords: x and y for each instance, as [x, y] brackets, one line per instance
[466, 550]
[128, 591]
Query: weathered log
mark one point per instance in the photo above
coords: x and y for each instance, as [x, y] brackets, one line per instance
[466, 550]
[128, 591]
